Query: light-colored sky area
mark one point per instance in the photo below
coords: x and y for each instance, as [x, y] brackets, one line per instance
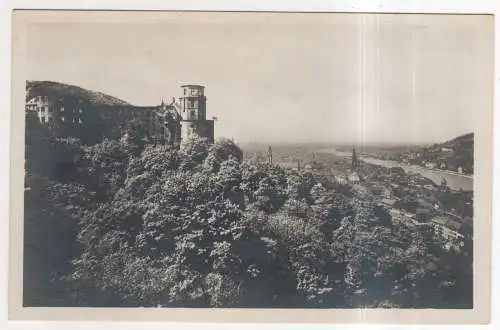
[337, 78]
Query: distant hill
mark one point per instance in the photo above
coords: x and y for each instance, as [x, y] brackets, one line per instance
[65, 91]
[450, 155]
[464, 142]
[460, 153]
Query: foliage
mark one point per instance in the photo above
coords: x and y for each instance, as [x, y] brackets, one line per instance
[138, 225]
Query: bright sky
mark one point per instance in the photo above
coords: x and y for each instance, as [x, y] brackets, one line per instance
[339, 78]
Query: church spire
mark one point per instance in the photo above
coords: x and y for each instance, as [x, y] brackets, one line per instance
[270, 155]
[354, 164]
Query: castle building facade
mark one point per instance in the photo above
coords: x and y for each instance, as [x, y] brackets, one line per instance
[168, 124]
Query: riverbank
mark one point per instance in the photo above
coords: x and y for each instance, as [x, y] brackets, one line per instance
[454, 180]
[438, 171]
[449, 172]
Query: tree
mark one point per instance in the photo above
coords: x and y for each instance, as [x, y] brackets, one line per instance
[134, 139]
[52, 212]
[222, 150]
[104, 167]
[194, 151]
[200, 227]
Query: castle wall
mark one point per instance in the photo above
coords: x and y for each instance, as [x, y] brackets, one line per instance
[93, 123]
[118, 118]
[204, 129]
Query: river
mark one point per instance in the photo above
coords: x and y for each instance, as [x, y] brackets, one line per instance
[455, 181]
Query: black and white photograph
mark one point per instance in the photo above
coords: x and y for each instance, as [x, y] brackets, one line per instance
[255, 160]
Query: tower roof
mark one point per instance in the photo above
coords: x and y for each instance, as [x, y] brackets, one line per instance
[196, 86]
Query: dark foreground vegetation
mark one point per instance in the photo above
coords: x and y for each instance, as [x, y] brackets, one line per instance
[127, 223]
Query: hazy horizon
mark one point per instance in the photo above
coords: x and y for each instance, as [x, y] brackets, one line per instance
[287, 78]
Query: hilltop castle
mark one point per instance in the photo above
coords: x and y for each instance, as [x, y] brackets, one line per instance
[168, 124]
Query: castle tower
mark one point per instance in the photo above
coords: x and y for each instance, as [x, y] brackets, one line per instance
[193, 111]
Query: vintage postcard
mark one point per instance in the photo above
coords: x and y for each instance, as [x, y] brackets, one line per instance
[251, 166]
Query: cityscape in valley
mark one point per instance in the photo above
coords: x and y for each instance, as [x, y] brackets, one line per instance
[144, 206]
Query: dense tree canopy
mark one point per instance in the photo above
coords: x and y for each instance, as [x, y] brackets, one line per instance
[132, 224]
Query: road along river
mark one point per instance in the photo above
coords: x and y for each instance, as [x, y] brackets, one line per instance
[455, 181]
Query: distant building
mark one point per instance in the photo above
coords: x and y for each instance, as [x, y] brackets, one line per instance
[444, 149]
[460, 170]
[353, 177]
[430, 165]
[448, 229]
[341, 181]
